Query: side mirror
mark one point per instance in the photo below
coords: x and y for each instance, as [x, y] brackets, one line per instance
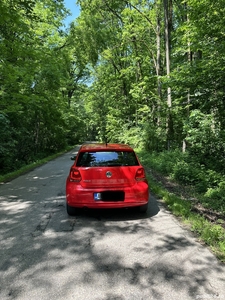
[73, 157]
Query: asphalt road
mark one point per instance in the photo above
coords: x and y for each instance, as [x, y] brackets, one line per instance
[99, 255]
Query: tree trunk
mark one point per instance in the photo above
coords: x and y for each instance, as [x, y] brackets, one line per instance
[167, 43]
[158, 58]
[167, 4]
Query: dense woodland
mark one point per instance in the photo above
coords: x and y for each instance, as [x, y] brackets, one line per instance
[145, 72]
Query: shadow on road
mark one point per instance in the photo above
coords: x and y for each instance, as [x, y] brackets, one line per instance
[118, 254]
[122, 214]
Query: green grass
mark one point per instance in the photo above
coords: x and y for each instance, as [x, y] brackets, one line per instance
[212, 234]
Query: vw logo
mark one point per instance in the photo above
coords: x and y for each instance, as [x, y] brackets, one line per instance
[108, 174]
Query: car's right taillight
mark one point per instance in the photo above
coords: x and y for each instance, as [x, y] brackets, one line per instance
[140, 175]
[75, 175]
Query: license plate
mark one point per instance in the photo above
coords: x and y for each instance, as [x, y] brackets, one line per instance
[97, 196]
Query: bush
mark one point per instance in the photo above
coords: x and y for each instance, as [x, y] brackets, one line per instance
[205, 139]
[185, 169]
[164, 162]
[185, 173]
[215, 197]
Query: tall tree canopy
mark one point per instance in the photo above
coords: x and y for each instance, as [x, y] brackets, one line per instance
[37, 73]
[146, 72]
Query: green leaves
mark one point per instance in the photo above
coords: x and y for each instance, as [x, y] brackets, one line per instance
[34, 64]
[107, 73]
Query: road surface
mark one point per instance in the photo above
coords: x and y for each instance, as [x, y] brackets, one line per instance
[99, 255]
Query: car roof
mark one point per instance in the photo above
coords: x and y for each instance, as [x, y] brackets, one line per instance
[104, 147]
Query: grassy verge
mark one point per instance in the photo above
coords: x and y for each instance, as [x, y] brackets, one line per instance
[211, 233]
[27, 168]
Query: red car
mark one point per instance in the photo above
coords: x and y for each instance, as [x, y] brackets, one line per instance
[106, 176]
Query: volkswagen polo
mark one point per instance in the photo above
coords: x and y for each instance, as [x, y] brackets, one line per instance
[106, 176]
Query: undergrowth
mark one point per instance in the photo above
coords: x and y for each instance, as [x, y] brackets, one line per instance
[29, 167]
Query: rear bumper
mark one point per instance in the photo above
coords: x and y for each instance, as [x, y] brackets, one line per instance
[77, 196]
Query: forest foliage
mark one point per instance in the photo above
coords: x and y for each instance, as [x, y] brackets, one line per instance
[145, 72]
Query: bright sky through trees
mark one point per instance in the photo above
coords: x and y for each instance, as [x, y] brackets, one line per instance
[74, 9]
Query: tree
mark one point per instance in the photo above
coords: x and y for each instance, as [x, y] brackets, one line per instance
[32, 76]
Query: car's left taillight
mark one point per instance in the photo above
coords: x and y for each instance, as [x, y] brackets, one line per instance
[75, 175]
[140, 175]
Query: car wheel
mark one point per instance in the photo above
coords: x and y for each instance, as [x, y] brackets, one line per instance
[72, 211]
[143, 208]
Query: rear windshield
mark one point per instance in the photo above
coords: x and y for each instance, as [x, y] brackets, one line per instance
[107, 158]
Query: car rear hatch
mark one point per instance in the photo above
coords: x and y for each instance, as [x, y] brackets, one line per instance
[108, 177]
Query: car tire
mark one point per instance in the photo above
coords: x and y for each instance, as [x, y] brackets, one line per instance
[72, 211]
[143, 209]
